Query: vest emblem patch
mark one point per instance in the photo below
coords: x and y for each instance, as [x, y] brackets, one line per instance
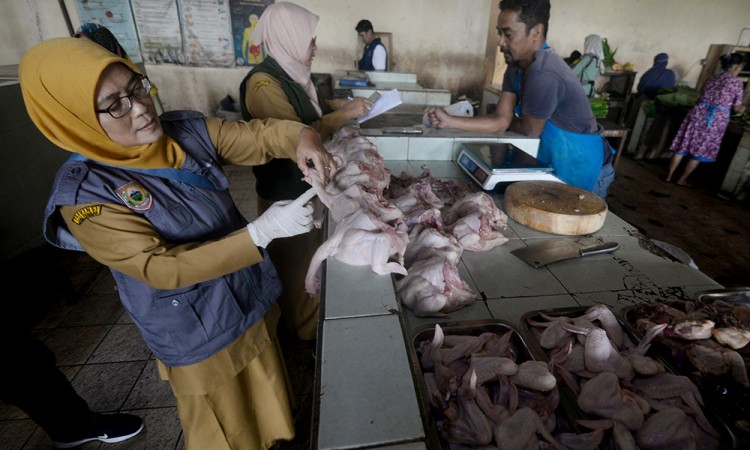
[135, 196]
[84, 213]
[260, 84]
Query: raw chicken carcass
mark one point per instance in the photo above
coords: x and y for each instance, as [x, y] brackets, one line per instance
[476, 221]
[519, 431]
[447, 190]
[419, 218]
[429, 242]
[603, 396]
[714, 359]
[368, 175]
[361, 239]
[418, 196]
[693, 329]
[668, 428]
[434, 287]
[733, 337]
[342, 202]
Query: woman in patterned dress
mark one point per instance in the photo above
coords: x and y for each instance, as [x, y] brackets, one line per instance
[700, 134]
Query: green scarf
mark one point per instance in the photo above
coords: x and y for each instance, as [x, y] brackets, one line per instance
[296, 95]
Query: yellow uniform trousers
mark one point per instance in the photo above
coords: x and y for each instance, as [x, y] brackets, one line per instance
[237, 398]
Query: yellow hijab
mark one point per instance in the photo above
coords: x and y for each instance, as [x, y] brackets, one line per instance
[58, 81]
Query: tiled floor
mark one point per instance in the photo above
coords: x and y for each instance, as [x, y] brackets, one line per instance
[79, 316]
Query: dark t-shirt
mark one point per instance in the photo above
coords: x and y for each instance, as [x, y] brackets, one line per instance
[550, 91]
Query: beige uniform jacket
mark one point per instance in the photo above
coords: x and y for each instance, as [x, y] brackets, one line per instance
[123, 240]
[265, 98]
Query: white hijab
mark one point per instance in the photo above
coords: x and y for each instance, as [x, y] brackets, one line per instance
[286, 29]
[592, 45]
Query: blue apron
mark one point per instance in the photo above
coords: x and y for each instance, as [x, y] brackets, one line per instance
[712, 110]
[577, 158]
[570, 153]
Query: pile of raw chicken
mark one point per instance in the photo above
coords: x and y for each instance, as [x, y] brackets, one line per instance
[414, 227]
[485, 391]
[618, 387]
[713, 337]
[708, 341]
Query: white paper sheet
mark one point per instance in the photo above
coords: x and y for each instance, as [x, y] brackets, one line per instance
[387, 100]
[461, 109]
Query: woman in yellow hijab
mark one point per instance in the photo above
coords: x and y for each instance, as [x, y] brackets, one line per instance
[146, 196]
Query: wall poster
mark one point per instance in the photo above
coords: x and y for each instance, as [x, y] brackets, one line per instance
[206, 32]
[245, 14]
[118, 18]
[158, 23]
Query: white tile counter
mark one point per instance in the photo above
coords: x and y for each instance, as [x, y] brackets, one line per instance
[366, 387]
[412, 92]
[440, 145]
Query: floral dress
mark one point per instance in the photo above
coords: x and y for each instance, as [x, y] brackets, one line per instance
[701, 132]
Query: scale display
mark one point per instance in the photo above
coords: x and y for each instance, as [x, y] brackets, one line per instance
[492, 163]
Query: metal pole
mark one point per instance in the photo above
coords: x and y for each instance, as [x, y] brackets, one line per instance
[739, 38]
[66, 16]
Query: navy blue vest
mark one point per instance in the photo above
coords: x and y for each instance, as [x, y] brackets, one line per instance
[366, 62]
[186, 325]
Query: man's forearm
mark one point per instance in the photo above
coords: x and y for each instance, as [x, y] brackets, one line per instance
[483, 124]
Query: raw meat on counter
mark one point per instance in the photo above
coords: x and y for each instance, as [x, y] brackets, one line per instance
[711, 335]
[612, 379]
[485, 392]
[716, 356]
[369, 230]
[448, 191]
[395, 225]
[476, 222]
[433, 286]
[361, 239]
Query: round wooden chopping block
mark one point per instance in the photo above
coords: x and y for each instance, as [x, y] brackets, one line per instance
[555, 207]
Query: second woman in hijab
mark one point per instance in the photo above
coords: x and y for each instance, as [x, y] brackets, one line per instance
[281, 87]
[591, 64]
[657, 77]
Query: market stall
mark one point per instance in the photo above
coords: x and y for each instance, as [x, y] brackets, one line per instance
[368, 386]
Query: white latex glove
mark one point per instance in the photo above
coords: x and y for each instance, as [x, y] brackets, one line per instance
[283, 219]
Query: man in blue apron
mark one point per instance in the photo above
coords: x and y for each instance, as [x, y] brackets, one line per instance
[542, 98]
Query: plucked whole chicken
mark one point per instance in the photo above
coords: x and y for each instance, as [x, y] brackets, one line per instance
[415, 227]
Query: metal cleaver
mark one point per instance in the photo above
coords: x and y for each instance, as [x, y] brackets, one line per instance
[554, 250]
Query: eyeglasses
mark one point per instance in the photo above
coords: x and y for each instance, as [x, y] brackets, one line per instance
[122, 105]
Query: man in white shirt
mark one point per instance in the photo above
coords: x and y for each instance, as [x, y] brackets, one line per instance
[374, 56]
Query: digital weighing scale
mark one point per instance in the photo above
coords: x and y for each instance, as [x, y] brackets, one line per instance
[489, 163]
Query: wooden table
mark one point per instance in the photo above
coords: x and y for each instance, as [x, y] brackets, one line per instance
[611, 129]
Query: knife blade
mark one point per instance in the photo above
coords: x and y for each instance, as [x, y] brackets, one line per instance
[554, 250]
